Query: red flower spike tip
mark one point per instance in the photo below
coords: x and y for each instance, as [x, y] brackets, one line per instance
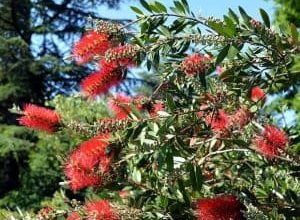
[271, 142]
[219, 208]
[91, 152]
[257, 94]
[100, 210]
[122, 55]
[120, 106]
[275, 136]
[101, 81]
[73, 216]
[81, 168]
[195, 64]
[90, 45]
[39, 118]
[265, 148]
[218, 121]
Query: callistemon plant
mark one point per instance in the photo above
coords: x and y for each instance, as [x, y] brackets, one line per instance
[201, 145]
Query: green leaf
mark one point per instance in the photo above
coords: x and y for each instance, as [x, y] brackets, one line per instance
[233, 15]
[165, 31]
[220, 28]
[136, 10]
[185, 4]
[199, 177]
[265, 17]
[179, 7]
[294, 33]
[146, 5]
[183, 191]
[136, 175]
[161, 7]
[170, 103]
[230, 27]
[245, 16]
[233, 51]
[223, 53]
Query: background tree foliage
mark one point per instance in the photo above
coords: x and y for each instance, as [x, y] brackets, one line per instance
[35, 35]
[288, 11]
[287, 14]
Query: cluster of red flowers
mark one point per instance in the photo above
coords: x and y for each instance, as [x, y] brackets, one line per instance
[218, 121]
[96, 210]
[112, 67]
[220, 208]
[221, 123]
[271, 142]
[195, 64]
[40, 118]
[91, 44]
[86, 163]
[257, 94]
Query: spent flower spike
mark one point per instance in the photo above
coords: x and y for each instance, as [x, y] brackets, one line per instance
[124, 55]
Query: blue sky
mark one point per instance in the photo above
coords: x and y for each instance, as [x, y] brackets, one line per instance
[215, 8]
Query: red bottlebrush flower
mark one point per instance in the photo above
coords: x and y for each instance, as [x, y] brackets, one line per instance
[275, 136]
[120, 105]
[195, 64]
[91, 152]
[122, 55]
[90, 45]
[80, 178]
[158, 106]
[100, 210]
[218, 121]
[265, 148]
[74, 216]
[272, 141]
[240, 118]
[81, 168]
[101, 81]
[39, 118]
[219, 208]
[257, 94]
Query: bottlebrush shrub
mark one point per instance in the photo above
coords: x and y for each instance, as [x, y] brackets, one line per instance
[201, 145]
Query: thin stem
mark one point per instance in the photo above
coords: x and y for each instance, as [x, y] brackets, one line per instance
[203, 159]
[202, 21]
